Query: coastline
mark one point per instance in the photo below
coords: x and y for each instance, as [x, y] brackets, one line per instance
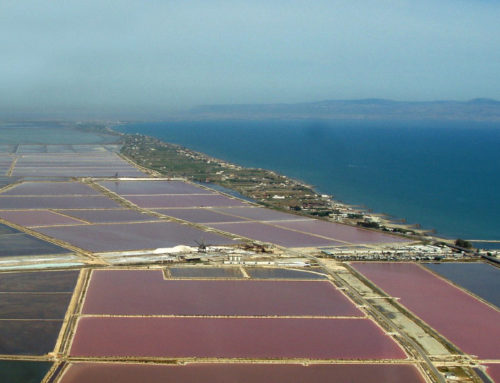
[270, 190]
[413, 171]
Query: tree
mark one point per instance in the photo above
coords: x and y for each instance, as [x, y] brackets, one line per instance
[463, 243]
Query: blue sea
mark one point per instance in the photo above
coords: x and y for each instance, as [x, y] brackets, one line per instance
[441, 175]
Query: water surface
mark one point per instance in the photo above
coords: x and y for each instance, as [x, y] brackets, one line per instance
[16, 371]
[480, 278]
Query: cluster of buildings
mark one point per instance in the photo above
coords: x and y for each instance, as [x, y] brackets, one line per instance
[406, 253]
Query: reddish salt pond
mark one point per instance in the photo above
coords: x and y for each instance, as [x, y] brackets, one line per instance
[467, 322]
[233, 338]
[145, 292]
[74, 165]
[187, 200]
[51, 188]
[65, 202]
[37, 218]
[210, 272]
[77, 172]
[273, 234]
[341, 232]
[133, 236]
[493, 370]
[199, 215]
[241, 373]
[260, 214]
[153, 187]
[72, 159]
[104, 216]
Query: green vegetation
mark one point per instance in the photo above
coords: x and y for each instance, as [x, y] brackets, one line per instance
[370, 225]
[264, 186]
[463, 243]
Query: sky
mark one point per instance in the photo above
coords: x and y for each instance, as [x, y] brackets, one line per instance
[113, 58]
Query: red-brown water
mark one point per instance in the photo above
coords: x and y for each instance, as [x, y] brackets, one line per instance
[143, 292]
[493, 370]
[242, 373]
[341, 232]
[153, 187]
[199, 215]
[36, 218]
[51, 188]
[185, 200]
[74, 165]
[273, 234]
[233, 338]
[105, 216]
[464, 320]
[260, 214]
[136, 236]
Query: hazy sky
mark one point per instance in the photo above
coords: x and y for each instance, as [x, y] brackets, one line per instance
[121, 57]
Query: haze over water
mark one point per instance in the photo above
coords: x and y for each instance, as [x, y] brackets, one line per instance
[442, 175]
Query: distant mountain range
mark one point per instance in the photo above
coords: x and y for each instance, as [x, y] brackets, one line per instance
[479, 109]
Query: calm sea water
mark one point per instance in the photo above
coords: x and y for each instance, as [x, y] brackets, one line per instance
[442, 175]
[480, 278]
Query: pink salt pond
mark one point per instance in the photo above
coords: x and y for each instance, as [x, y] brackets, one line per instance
[464, 320]
[241, 373]
[263, 338]
[145, 292]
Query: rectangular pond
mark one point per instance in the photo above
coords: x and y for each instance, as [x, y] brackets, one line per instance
[464, 320]
[233, 338]
[133, 236]
[104, 164]
[39, 281]
[186, 200]
[341, 232]
[146, 292]
[50, 189]
[260, 214]
[109, 216]
[273, 234]
[20, 244]
[199, 215]
[153, 187]
[204, 272]
[481, 279]
[21, 371]
[77, 172]
[241, 373]
[33, 305]
[64, 202]
[29, 218]
[281, 273]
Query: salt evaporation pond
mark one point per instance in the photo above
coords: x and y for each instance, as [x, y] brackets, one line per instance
[479, 278]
